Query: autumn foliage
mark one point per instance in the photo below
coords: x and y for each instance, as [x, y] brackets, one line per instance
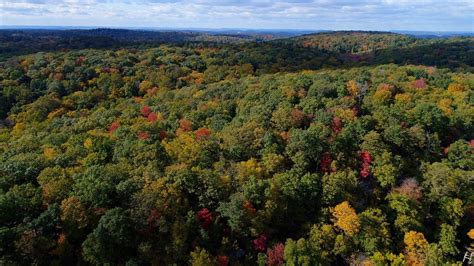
[143, 135]
[205, 217]
[223, 260]
[260, 243]
[256, 153]
[276, 255]
[145, 110]
[153, 218]
[152, 117]
[298, 117]
[346, 218]
[353, 88]
[248, 206]
[419, 84]
[326, 160]
[366, 160]
[185, 125]
[336, 125]
[202, 134]
[114, 126]
[416, 248]
[410, 188]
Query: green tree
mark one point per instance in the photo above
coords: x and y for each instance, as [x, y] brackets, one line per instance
[112, 241]
[306, 146]
[374, 234]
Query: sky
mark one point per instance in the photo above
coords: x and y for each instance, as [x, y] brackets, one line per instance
[419, 15]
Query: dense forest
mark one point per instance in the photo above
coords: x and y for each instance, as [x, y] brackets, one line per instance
[344, 148]
[17, 41]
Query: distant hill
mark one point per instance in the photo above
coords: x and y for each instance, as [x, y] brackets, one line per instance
[23, 41]
[31, 40]
[436, 34]
[356, 41]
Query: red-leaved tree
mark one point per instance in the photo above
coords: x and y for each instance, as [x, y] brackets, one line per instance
[222, 260]
[336, 125]
[260, 243]
[202, 134]
[419, 83]
[114, 126]
[326, 161]
[185, 125]
[152, 117]
[248, 206]
[276, 255]
[143, 135]
[145, 110]
[366, 160]
[205, 217]
[153, 218]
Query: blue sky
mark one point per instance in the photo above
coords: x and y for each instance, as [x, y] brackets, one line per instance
[429, 15]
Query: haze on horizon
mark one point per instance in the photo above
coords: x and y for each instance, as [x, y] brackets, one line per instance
[420, 15]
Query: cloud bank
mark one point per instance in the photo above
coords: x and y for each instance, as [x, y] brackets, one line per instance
[435, 15]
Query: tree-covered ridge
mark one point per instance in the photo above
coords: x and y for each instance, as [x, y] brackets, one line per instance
[196, 155]
[25, 78]
[18, 42]
[356, 48]
[358, 42]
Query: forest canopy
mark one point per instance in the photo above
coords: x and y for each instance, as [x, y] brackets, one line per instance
[328, 149]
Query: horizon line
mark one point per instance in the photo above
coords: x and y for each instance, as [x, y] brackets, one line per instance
[221, 28]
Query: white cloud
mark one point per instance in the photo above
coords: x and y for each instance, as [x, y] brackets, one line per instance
[314, 14]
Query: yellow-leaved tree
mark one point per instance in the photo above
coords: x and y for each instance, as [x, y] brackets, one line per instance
[353, 88]
[346, 218]
[416, 247]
